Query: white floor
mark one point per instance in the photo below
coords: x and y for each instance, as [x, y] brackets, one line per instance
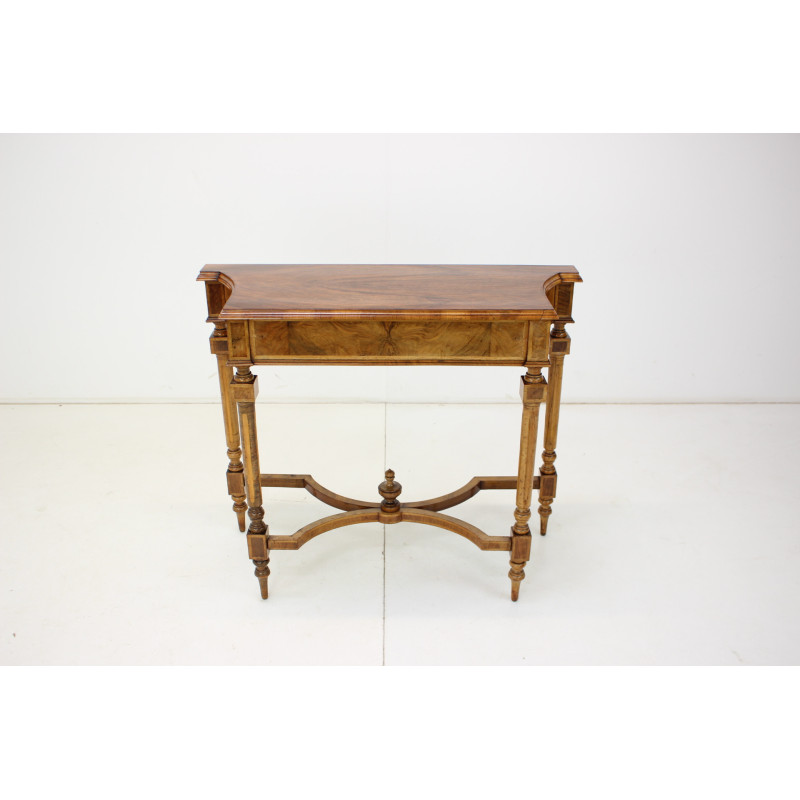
[675, 539]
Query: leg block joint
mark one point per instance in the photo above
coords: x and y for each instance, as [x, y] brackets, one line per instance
[235, 483]
[532, 393]
[258, 546]
[245, 391]
[520, 546]
[547, 485]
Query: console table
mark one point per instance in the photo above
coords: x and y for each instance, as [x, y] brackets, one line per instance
[389, 315]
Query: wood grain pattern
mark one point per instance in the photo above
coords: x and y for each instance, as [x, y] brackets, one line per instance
[390, 510]
[532, 392]
[387, 291]
[297, 539]
[388, 342]
[390, 314]
[244, 389]
[317, 490]
[422, 516]
[235, 471]
[469, 489]
[538, 344]
[547, 485]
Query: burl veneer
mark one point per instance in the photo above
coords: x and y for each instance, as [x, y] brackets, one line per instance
[392, 315]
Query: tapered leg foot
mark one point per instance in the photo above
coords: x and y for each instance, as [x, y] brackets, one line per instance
[262, 573]
[517, 575]
[547, 486]
[241, 512]
[544, 514]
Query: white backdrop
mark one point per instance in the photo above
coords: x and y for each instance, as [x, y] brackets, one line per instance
[689, 246]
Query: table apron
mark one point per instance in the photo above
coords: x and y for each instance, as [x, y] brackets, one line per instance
[389, 342]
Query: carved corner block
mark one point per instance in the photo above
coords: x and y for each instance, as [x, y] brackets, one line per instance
[238, 343]
[218, 345]
[217, 292]
[258, 546]
[547, 485]
[520, 546]
[538, 343]
[563, 301]
[560, 346]
[245, 391]
[235, 483]
[532, 393]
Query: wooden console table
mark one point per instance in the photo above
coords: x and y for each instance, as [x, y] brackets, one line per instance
[389, 315]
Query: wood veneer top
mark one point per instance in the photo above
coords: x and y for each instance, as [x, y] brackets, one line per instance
[386, 291]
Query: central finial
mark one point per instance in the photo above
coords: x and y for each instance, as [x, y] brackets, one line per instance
[389, 490]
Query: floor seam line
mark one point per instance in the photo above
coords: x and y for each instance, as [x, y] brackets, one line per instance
[383, 629]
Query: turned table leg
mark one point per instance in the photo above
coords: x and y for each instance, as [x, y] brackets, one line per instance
[244, 389]
[559, 347]
[235, 473]
[532, 391]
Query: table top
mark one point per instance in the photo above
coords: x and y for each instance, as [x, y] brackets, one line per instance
[387, 291]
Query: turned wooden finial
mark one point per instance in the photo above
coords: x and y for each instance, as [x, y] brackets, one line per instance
[389, 491]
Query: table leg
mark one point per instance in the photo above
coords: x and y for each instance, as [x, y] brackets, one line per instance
[559, 346]
[235, 474]
[532, 391]
[245, 389]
